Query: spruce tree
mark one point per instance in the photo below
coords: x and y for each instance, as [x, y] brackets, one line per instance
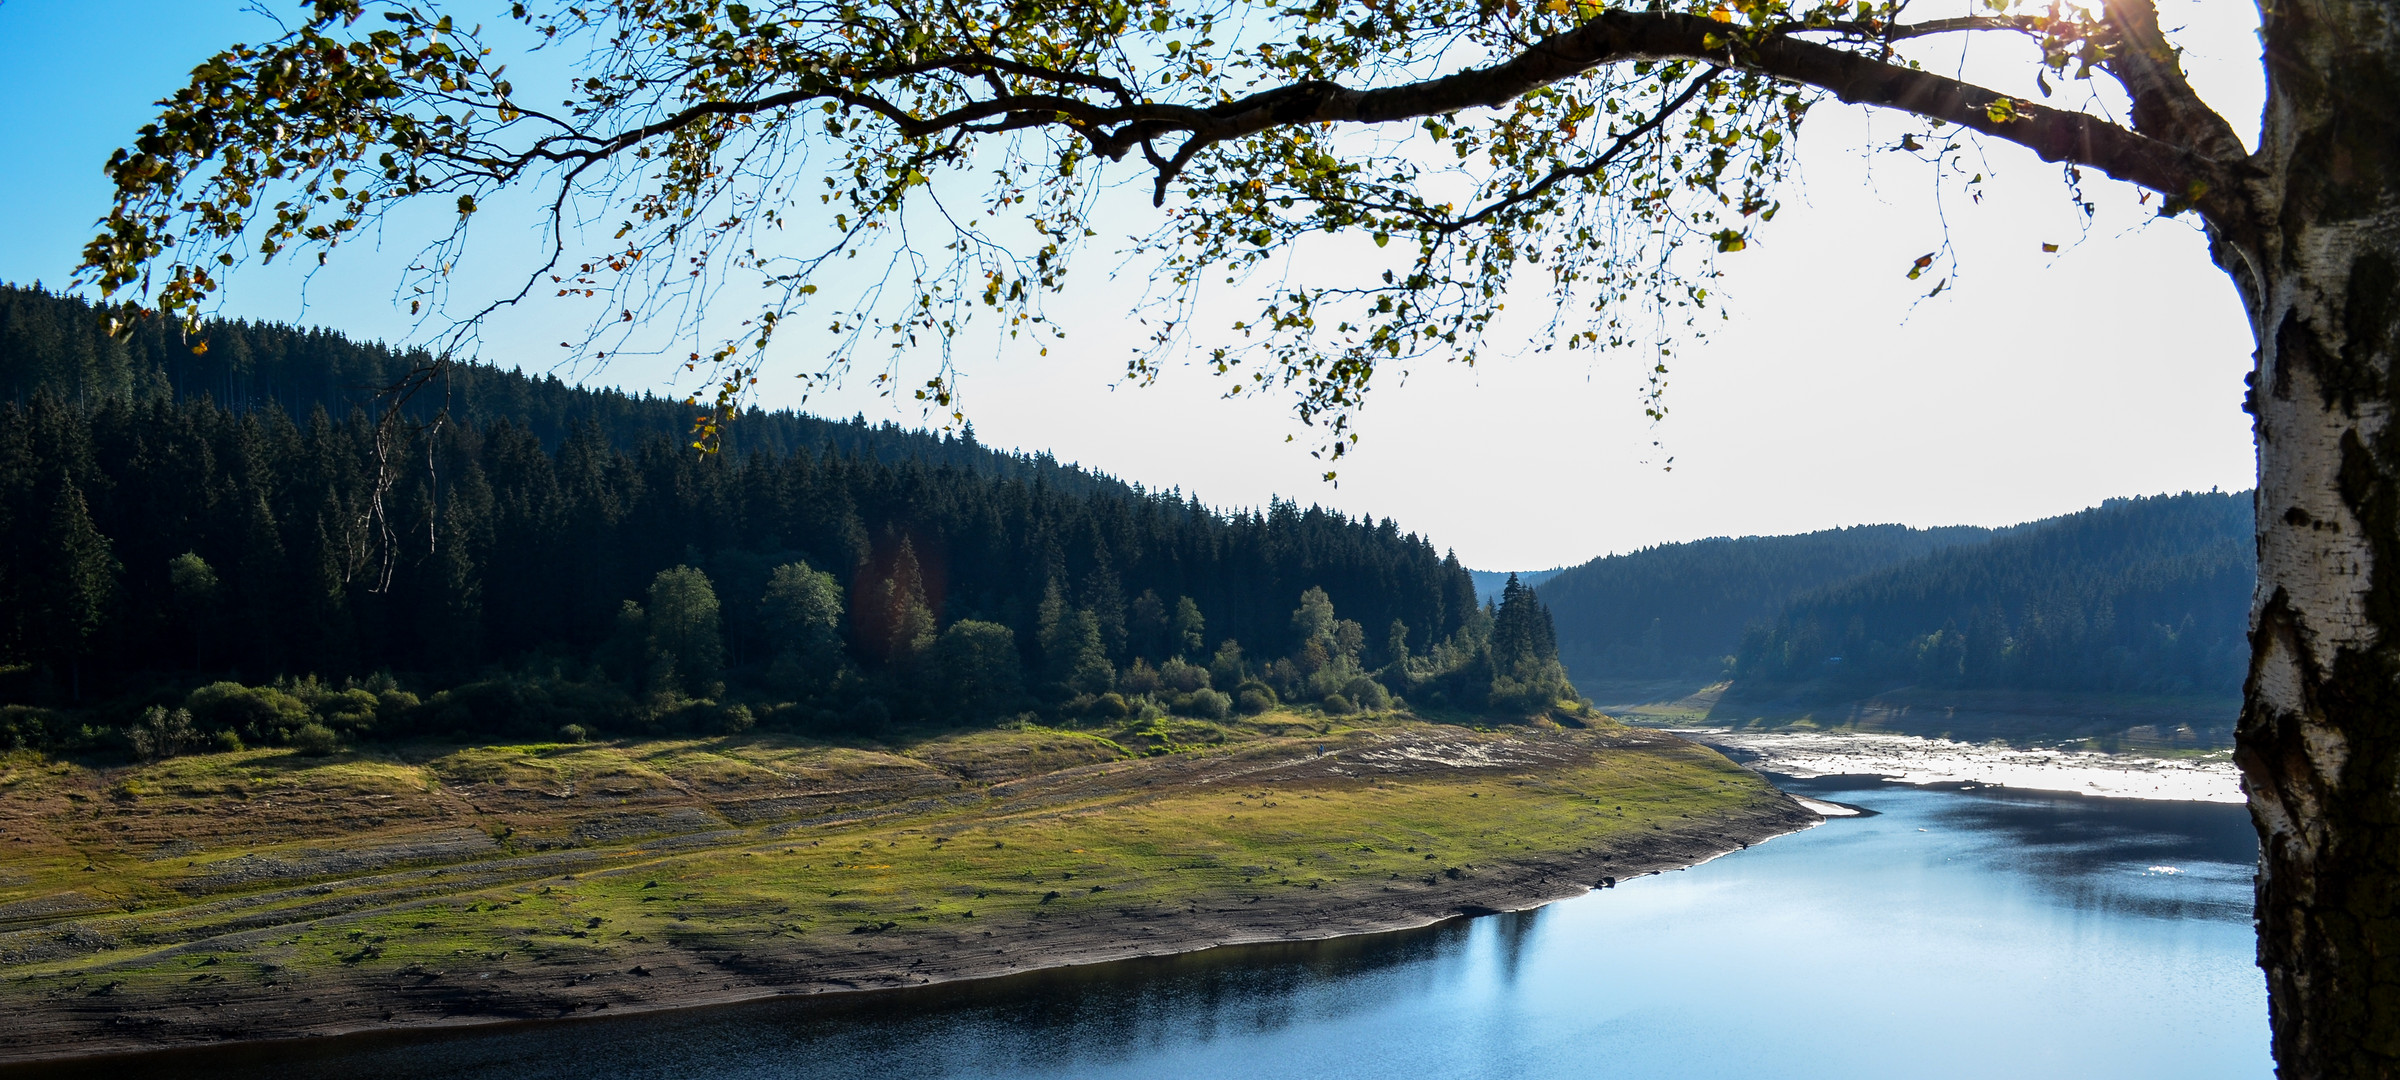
[74, 591]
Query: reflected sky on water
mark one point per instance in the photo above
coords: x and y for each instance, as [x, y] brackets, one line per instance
[1955, 934]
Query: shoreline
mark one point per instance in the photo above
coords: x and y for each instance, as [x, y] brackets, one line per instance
[561, 934]
[1924, 761]
[572, 993]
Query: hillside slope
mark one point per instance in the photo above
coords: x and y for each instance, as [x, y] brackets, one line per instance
[205, 532]
[57, 345]
[2136, 596]
[1680, 609]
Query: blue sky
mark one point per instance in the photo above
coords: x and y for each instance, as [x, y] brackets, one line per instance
[2041, 384]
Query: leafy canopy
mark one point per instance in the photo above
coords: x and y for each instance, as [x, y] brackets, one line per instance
[927, 163]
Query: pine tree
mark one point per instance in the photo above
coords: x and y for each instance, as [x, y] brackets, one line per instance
[907, 618]
[74, 591]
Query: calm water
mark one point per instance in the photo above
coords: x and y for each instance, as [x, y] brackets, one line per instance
[1951, 934]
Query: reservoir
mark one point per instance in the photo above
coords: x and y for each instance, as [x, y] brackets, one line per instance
[1984, 933]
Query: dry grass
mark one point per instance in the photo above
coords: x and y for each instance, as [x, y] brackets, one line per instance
[263, 867]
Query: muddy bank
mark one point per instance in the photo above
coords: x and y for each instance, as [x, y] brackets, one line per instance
[92, 1020]
[267, 956]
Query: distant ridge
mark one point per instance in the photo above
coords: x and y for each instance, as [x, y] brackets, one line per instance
[2125, 622]
[2141, 596]
[1679, 610]
[56, 343]
[1488, 583]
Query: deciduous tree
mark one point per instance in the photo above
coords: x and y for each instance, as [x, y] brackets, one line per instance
[1603, 154]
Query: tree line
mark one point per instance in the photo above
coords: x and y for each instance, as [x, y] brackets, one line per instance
[2143, 595]
[275, 577]
[1680, 610]
[60, 345]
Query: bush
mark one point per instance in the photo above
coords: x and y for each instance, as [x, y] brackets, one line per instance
[24, 727]
[1140, 678]
[1206, 704]
[161, 734]
[1182, 677]
[573, 733]
[1254, 700]
[226, 742]
[736, 719]
[263, 713]
[1111, 706]
[1336, 705]
[392, 706]
[1368, 694]
[315, 740]
[869, 715]
[352, 711]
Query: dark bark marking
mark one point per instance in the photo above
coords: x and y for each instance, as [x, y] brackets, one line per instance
[2362, 370]
[2292, 341]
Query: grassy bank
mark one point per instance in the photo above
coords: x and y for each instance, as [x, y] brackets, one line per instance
[262, 892]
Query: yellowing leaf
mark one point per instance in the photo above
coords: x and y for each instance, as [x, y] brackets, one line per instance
[2049, 247]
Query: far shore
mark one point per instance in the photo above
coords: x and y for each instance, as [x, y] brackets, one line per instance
[1913, 759]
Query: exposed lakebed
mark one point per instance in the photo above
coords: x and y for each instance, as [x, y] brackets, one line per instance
[1979, 933]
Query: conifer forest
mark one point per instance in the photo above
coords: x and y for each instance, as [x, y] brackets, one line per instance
[223, 540]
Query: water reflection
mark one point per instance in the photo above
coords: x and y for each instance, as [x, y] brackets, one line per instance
[2117, 855]
[1953, 934]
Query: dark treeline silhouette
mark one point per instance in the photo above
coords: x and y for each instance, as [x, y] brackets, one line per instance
[2147, 595]
[303, 579]
[1681, 609]
[61, 345]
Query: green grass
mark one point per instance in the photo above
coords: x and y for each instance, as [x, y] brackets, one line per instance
[264, 866]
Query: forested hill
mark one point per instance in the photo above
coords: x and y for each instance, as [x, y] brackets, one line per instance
[1680, 609]
[1490, 585]
[2145, 595]
[58, 344]
[179, 566]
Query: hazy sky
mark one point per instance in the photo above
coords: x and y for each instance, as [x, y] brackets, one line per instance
[2039, 384]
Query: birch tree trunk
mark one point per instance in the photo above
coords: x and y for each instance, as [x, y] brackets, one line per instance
[2319, 741]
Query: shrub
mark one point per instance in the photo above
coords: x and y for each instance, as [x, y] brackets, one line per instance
[1183, 677]
[1111, 706]
[391, 706]
[869, 715]
[263, 713]
[161, 734]
[1255, 700]
[573, 733]
[736, 719]
[1336, 705]
[1368, 694]
[1206, 704]
[226, 742]
[24, 727]
[351, 711]
[315, 740]
[1140, 678]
